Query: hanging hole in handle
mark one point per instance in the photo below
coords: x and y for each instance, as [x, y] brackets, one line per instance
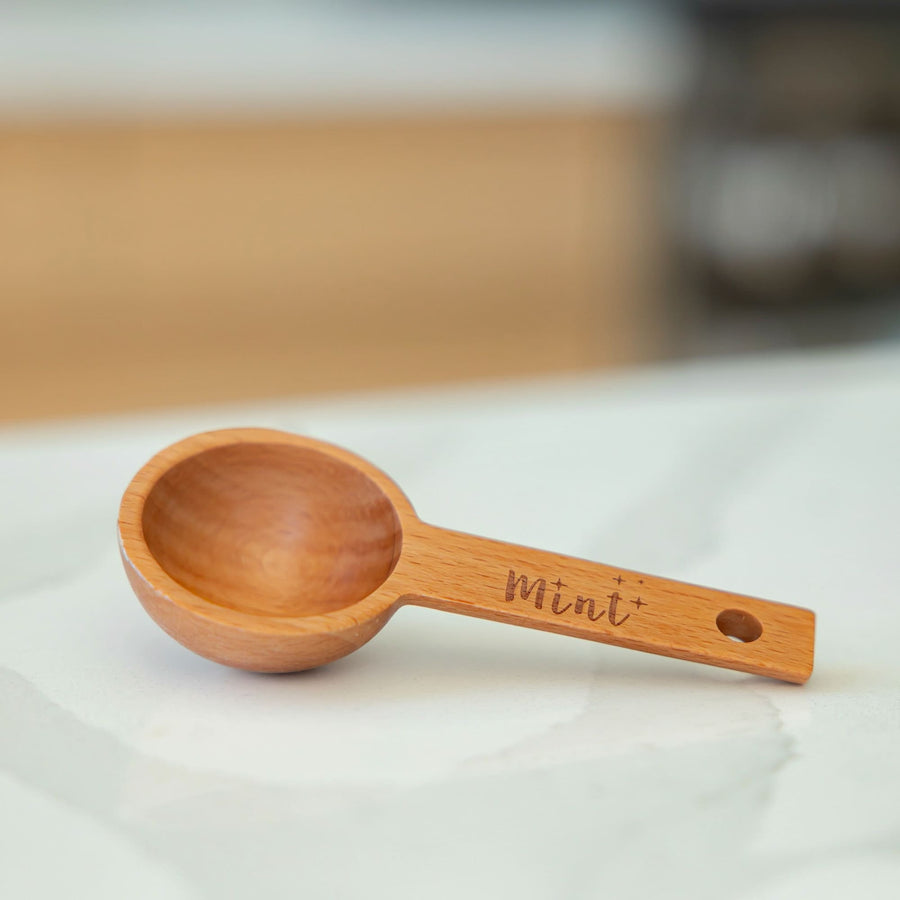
[738, 625]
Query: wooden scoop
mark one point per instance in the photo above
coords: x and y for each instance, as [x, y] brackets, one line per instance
[275, 553]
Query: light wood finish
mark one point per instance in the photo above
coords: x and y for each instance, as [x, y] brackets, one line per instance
[273, 552]
[266, 528]
[149, 264]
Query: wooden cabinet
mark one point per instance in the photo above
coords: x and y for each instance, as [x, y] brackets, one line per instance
[158, 263]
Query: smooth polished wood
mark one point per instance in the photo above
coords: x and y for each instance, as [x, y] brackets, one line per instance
[273, 552]
[267, 528]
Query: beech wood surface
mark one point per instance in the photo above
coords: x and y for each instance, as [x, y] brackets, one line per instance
[273, 552]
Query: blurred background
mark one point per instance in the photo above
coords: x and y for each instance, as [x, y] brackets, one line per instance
[218, 201]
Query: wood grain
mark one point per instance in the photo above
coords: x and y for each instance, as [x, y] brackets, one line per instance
[266, 528]
[551, 592]
[274, 552]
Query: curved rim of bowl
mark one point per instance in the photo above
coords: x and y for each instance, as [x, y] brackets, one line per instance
[135, 551]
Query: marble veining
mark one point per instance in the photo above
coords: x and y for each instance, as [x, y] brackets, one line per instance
[453, 757]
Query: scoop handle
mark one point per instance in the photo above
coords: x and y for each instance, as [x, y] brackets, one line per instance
[489, 579]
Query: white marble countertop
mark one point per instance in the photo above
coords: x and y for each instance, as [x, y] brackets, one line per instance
[453, 757]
